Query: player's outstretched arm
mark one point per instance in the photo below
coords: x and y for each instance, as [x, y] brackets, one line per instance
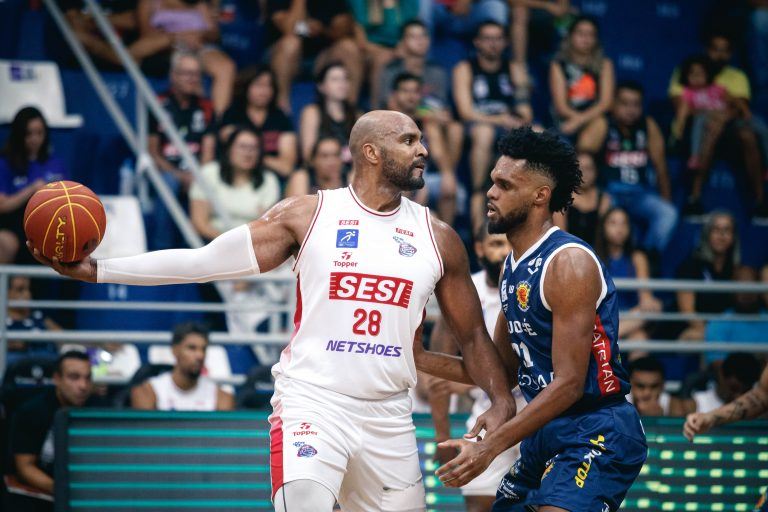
[748, 406]
[258, 246]
[572, 288]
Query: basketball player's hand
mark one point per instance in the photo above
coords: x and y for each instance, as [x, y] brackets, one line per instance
[83, 270]
[493, 418]
[472, 460]
[698, 423]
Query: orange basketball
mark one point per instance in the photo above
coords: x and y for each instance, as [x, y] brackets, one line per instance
[66, 220]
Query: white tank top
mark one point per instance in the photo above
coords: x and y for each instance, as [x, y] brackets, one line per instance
[490, 301]
[363, 280]
[168, 396]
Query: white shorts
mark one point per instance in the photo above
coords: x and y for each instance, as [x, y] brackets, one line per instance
[486, 483]
[363, 451]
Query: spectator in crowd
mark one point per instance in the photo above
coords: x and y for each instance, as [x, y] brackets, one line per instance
[406, 98]
[581, 78]
[379, 25]
[460, 19]
[759, 53]
[331, 115]
[646, 376]
[589, 205]
[543, 15]
[239, 182]
[26, 165]
[744, 132]
[320, 30]
[614, 246]
[728, 329]
[192, 26]
[626, 143]
[324, 172]
[194, 118]
[31, 435]
[184, 388]
[716, 259]
[255, 106]
[737, 375]
[26, 319]
[491, 96]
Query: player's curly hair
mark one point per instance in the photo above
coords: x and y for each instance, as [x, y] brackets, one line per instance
[546, 153]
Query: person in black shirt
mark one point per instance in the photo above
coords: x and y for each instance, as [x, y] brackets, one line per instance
[319, 29]
[255, 107]
[589, 205]
[31, 436]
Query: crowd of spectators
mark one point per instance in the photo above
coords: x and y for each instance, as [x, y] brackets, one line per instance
[239, 125]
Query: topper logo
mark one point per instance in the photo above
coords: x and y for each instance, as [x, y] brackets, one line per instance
[370, 288]
[58, 249]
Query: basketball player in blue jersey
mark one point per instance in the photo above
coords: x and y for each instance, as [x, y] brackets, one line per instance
[582, 442]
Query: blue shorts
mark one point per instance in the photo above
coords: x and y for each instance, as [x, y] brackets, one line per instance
[579, 462]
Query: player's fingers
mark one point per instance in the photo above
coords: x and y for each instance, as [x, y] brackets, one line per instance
[451, 443]
[447, 469]
[36, 254]
[475, 432]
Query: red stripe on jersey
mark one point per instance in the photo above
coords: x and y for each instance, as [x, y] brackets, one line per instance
[434, 244]
[296, 321]
[311, 226]
[276, 449]
[601, 351]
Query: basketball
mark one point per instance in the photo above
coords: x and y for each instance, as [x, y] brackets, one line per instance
[66, 220]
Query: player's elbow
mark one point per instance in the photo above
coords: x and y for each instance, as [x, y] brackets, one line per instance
[571, 390]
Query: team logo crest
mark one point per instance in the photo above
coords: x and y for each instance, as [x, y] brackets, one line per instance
[305, 450]
[522, 293]
[406, 249]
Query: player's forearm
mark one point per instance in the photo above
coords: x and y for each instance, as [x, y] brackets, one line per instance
[229, 256]
[442, 366]
[483, 363]
[439, 404]
[748, 406]
[37, 478]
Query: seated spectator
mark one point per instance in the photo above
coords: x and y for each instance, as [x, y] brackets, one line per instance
[193, 116]
[581, 78]
[331, 115]
[379, 25]
[406, 98]
[325, 170]
[745, 133]
[589, 205]
[614, 246]
[320, 30]
[460, 19]
[242, 186]
[739, 331]
[737, 375]
[26, 319]
[646, 376]
[542, 16]
[626, 143]
[715, 259]
[491, 96]
[26, 165]
[31, 435]
[184, 388]
[192, 26]
[255, 107]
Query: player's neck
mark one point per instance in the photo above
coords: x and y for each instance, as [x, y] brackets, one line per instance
[183, 382]
[375, 195]
[526, 236]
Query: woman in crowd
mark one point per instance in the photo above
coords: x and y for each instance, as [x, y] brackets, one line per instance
[615, 247]
[581, 78]
[332, 115]
[591, 203]
[26, 165]
[325, 171]
[255, 106]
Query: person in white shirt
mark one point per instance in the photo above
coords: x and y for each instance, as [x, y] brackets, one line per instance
[184, 388]
[646, 375]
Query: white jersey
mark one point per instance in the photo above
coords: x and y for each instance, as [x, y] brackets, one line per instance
[364, 278]
[490, 300]
[169, 397]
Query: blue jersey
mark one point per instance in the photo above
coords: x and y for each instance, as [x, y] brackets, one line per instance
[529, 320]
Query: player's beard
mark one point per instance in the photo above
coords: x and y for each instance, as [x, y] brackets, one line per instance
[492, 268]
[402, 175]
[509, 222]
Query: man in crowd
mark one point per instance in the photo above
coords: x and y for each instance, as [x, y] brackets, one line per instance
[31, 437]
[184, 388]
[646, 376]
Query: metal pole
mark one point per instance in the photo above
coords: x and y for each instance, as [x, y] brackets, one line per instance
[143, 88]
[4, 280]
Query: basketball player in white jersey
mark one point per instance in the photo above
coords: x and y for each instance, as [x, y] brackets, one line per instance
[479, 494]
[367, 260]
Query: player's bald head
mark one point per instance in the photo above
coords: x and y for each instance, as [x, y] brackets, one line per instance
[376, 127]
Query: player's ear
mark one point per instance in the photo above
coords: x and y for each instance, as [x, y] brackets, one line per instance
[371, 153]
[543, 195]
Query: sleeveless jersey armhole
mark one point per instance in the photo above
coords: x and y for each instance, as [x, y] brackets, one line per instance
[309, 231]
[434, 242]
[545, 266]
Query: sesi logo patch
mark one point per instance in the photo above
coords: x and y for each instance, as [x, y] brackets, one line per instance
[348, 222]
[393, 291]
[347, 238]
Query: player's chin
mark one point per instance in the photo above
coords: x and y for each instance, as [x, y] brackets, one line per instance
[416, 183]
